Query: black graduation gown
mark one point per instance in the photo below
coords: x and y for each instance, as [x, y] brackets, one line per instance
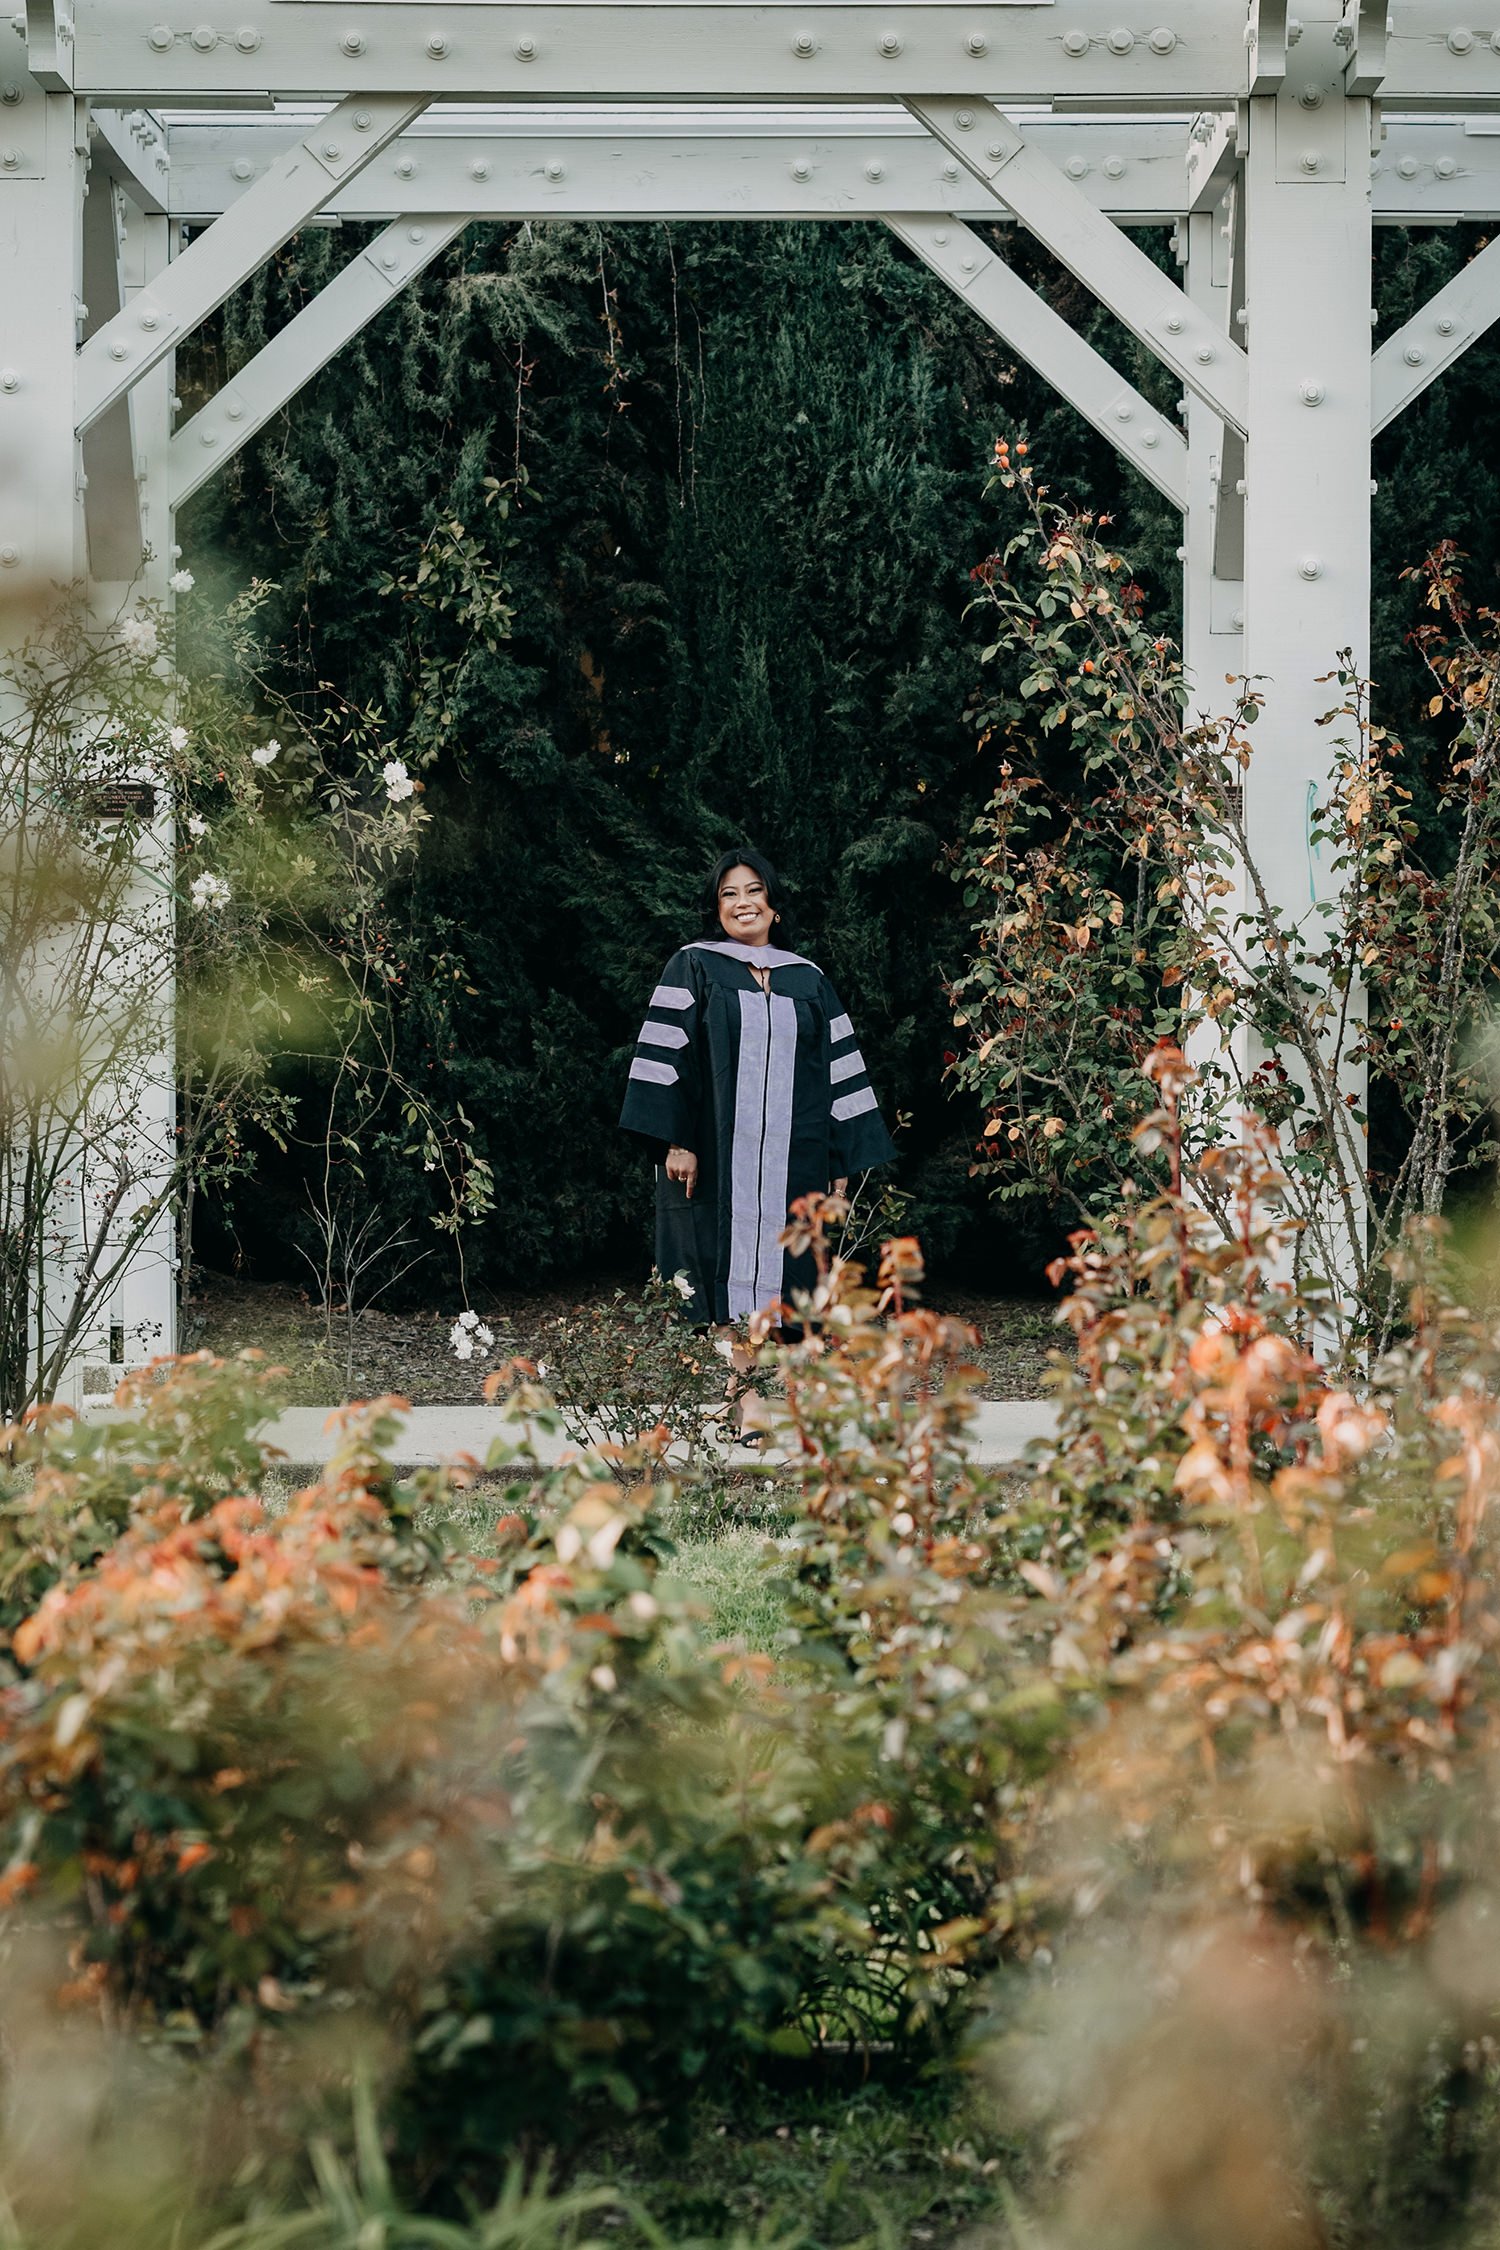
[770, 1092]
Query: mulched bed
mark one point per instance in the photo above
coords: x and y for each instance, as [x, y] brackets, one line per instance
[409, 1352]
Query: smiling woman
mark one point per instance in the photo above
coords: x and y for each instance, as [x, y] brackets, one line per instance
[750, 1089]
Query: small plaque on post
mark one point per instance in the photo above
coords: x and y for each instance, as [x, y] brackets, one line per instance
[123, 800]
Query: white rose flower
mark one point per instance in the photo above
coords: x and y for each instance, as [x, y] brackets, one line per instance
[398, 782]
[182, 581]
[177, 738]
[469, 1334]
[267, 755]
[196, 825]
[139, 636]
[209, 892]
[683, 1287]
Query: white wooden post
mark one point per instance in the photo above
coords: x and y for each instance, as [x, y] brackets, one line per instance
[41, 198]
[141, 1320]
[1213, 606]
[1307, 505]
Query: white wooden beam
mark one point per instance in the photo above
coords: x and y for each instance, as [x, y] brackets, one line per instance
[1195, 56]
[1435, 337]
[725, 162]
[522, 161]
[1046, 342]
[305, 345]
[1438, 54]
[1191, 56]
[1120, 274]
[235, 246]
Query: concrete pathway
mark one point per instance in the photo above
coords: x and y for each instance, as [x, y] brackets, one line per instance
[434, 1433]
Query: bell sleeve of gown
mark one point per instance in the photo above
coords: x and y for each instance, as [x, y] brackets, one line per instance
[662, 1092]
[857, 1138]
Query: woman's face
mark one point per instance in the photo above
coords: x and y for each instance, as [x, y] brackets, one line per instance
[744, 909]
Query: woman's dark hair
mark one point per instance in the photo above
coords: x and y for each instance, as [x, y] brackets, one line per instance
[759, 865]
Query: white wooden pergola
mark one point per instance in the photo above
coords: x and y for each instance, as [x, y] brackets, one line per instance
[154, 153]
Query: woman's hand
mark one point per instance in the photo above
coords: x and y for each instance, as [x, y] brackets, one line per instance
[682, 1165]
[841, 1187]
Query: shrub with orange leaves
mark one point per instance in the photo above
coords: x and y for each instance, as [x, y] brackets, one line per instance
[519, 1808]
[1119, 897]
[1247, 1568]
[901, 1590]
[257, 1746]
[1272, 1602]
[69, 1486]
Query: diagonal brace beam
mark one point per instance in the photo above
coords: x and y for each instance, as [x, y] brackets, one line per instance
[194, 285]
[1436, 336]
[1120, 274]
[305, 345]
[1042, 337]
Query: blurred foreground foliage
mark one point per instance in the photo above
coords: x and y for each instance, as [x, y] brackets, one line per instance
[1139, 1808]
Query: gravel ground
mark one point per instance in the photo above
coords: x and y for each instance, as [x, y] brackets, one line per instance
[409, 1352]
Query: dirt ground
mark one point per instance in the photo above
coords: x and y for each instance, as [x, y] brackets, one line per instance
[409, 1352]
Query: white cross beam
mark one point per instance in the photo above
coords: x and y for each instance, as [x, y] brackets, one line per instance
[1147, 300]
[234, 248]
[307, 343]
[1436, 336]
[1044, 339]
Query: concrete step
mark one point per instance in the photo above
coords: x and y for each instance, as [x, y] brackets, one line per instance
[430, 1434]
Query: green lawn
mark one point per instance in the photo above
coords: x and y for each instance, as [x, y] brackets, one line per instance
[823, 2167]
